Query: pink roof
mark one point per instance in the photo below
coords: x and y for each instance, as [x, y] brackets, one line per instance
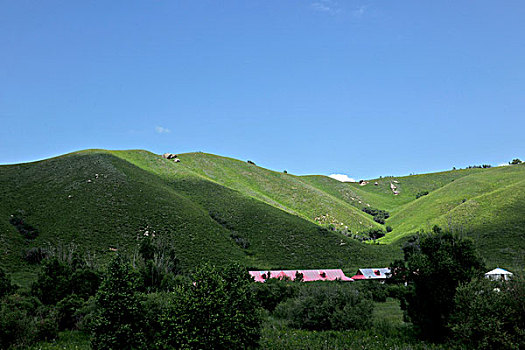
[308, 275]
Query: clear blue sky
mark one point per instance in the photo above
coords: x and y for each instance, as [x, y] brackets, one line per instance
[364, 88]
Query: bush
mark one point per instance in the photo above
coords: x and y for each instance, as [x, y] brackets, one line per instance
[217, 311]
[53, 283]
[389, 229]
[35, 255]
[159, 264]
[117, 322]
[6, 287]
[274, 291]
[67, 310]
[374, 290]
[490, 315]
[421, 194]
[26, 230]
[327, 306]
[23, 321]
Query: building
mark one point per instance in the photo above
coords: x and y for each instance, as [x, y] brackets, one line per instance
[372, 274]
[307, 275]
[499, 274]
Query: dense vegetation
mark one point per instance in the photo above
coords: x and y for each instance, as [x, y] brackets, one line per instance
[438, 284]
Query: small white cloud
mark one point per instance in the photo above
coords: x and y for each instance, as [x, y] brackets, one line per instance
[342, 178]
[162, 130]
[326, 6]
[503, 164]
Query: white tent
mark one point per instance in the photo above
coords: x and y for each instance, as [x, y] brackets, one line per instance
[499, 274]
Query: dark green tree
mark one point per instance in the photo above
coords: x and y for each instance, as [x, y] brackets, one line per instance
[435, 264]
[117, 323]
[216, 311]
[490, 314]
[6, 287]
[54, 281]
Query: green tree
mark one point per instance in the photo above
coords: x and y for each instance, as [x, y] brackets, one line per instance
[117, 323]
[435, 264]
[490, 315]
[516, 161]
[216, 311]
[6, 287]
[54, 281]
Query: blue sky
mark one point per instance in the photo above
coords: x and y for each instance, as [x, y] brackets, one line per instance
[364, 88]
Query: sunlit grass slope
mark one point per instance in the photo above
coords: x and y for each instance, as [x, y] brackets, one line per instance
[106, 199]
[485, 204]
[281, 190]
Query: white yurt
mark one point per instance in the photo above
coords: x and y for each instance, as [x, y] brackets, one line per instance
[499, 274]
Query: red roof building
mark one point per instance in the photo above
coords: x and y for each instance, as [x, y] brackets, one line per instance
[308, 275]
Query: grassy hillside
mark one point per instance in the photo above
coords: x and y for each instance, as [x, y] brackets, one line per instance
[485, 204]
[221, 209]
[103, 199]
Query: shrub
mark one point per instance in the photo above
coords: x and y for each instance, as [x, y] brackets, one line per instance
[217, 311]
[67, 310]
[117, 322]
[159, 264]
[26, 230]
[421, 194]
[335, 306]
[490, 315]
[389, 229]
[274, 291]
[35, 255]
[515, 161]
[23, 320]
[6, 286]
[53, 283]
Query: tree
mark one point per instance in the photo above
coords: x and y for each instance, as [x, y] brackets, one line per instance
[516, 161]
[54, 281]
[489, 314]
[6, 287]
[216, 311]
[434, 265]
[117, 322]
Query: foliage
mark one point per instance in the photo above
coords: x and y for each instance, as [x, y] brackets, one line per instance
[216, 311]
[515, 161]
[23, 320]
[159, 264]
[327, 306]
[6, 286]
[68, 311]
[379, 215]
[118, 322]
[434, 265]
[490, 315]
[421, 194]
[58, 279]
[274, 291]
[26, 230]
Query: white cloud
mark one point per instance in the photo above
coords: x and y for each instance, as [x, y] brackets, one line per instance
[162, 130]
[326, 6]
[503, 164]
[342, 178]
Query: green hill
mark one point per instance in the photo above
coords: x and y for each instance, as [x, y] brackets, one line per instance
[486, 204]
[104, 199]
[220, 209]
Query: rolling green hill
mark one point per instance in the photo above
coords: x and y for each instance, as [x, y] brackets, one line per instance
[220, 209]
[103, 200]
[485, 204]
